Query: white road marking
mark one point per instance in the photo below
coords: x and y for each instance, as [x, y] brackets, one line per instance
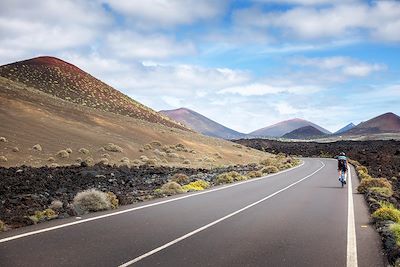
[215, 222]
[351, 229]
[138, 208]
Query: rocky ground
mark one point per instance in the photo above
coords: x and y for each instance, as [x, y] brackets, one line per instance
[25, 190]
[381, 157]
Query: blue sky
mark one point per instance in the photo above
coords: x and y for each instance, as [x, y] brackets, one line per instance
[245, 64]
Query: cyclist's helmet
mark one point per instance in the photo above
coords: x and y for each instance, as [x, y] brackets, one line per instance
[342, 154]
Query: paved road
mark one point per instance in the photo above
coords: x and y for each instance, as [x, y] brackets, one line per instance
[295, 218]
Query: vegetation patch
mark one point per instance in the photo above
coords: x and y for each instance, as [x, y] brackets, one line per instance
[387, 213]
[381, 191]
[269, 169]
[69, 150]
[15, 149]
[47, 214]
[112, 148]
[2, 226]
[395, 230]
[367, 183]
[92, 200]
[170, 188]
[196, 186]
[3, 139]
[3, 159]
[180, 178]
[37, 147]
[254, 174]
[84, 151]
[112, 198]
[229, 177]
[63, 154]
[56, 205]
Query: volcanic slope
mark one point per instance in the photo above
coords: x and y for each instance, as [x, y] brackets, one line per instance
[385, 123]
[305, 132]
[201, 124]
[66, 81]
[283, 127]
[38, 128]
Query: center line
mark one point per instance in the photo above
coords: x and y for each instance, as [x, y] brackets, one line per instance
[214, 222]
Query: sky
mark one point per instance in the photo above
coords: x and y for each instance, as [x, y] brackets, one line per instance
[245, 64]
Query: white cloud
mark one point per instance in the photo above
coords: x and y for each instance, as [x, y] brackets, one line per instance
[259, 89]
[127, 44]
[348, 66]
[165, 13]
[380, 20]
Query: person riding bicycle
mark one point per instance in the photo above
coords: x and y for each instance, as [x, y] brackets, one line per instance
[342, 167]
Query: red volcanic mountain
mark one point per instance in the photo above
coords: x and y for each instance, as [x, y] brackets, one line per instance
[281, 128]
[385, 123]
[201, 124]
[66, 81]
[305, 132]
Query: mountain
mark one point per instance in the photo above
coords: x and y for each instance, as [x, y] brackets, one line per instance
[201, 124]
[281, 128]
[52, 112]
[385, 123]
[305, 132]
[66, 81]
[346, 128]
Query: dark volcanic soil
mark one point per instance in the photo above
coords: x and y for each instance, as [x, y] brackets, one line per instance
[24, 190]
[382, 158]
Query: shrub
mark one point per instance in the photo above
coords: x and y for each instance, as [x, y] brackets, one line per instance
[83, 151]
[91, 200]
[363, 175]
[268, 162]
[395, 229]
[144, 158]
[147, 147]
[269, 169]
[56, 205]
[3, 159]
[173, 155]
[387, 213]
[69, 150]
[151, 162]
[155, 143]
[136, 162]
[125, 160]
[170, 188]
[2, 226]
[37, 147]
[15, 149]
[112, 198]
[3, 139]
[63, 154]
[254, 174]
[53, 165]
[229, 177]
[382, 191]
[47, 214]
[106, 155]
[104, 161]
[180, 178]
[113, 148]
[180, 147]
[196, 186]
[373, 182]
[362, 168]
[160, 153]
[186, 161]
[88, 161]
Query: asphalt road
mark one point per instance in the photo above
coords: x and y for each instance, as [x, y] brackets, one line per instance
[295, 218]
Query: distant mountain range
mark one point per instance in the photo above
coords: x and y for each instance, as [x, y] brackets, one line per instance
[284, 127]
[346, 128]
[385, 123]
[201, 124]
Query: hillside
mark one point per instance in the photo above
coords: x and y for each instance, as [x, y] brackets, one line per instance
[38, 128]
[385, 123]
[66, 81]
[281, 128]
[346, 128]
[305, 132]
[201, 124]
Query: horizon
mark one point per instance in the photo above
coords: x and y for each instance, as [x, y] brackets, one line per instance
[243, 64]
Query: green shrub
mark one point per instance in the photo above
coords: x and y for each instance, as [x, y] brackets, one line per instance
[2, 226]
[395, 229]
[180, 178]
[362, 168]
[112, 147]
[387, 213]
[92, 200]
[254, 174]
[229, 177]
[373, 182]
[382, 191]
[47, 214]
[170, 188]
[112, 198]
[196, 186]
[364, 175]
[63, 154]
[269, 169]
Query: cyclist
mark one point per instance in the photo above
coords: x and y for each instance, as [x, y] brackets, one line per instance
[342, 167]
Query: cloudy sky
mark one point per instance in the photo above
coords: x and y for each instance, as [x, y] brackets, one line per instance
[245, 64]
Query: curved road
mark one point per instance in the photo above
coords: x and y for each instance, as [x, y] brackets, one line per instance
[299, 217]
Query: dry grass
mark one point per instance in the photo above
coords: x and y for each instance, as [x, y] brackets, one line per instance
[170, 188]
[373, 182]
[63, 154]
[56, 205]
[3, 159]
[269, 169]
[2, 226]
[15, 149]
[112, 148]
[3, 139]
[37, 147]
[180, 178]
[91, 200]
[84, 151]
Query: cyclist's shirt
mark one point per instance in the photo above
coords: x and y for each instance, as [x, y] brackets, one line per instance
[342, 163]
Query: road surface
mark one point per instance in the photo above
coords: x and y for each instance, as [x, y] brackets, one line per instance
[299, 217]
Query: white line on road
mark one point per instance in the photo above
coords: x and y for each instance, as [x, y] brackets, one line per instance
[138, 208]
[215, 222]
[351, 229]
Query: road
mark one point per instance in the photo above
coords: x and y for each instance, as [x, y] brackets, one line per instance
[298, 217]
